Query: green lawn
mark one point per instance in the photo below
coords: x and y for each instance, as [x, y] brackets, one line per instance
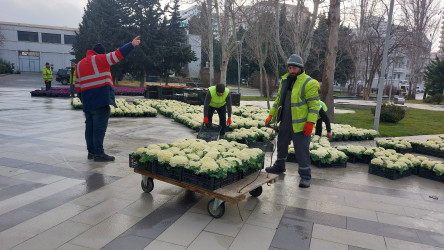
[256, 98]
[415, 122]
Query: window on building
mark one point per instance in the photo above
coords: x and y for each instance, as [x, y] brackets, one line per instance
[51, 38]
[28, 36]
[69, 39]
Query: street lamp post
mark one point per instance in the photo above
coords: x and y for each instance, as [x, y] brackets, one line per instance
[383, 68]
[239, 58]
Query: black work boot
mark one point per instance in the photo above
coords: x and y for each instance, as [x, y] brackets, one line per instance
[90, 156]
[275, 169]
[104, 157]
[304, 183]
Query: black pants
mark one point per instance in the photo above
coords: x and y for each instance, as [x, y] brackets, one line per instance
[48, 85]
[222, 112]
[72, 89]
[319, 127]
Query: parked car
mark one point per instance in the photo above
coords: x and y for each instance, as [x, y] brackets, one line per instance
[63, 76]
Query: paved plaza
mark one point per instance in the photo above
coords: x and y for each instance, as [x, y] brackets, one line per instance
[53, 197]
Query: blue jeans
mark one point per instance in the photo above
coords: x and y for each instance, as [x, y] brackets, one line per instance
[222, 112]
[96, 122]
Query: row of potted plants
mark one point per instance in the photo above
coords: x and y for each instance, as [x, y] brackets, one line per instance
[322, 154]
[124, 109]
[53, 92]
[433, 146]
[191, 160]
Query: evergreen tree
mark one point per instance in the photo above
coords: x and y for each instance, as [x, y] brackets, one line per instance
[315, 62]
[434, 76]
[101, 23]
[143, 19]
[173, 50]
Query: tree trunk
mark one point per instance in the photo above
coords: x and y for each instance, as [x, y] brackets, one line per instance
[224, 66]
[142, 80]
[267, 87]
[330, 57]
[210, 41]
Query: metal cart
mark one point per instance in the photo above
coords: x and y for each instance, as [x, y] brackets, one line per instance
[232, 193]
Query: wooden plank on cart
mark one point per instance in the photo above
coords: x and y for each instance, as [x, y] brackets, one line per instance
[228, 193]
[247, 184]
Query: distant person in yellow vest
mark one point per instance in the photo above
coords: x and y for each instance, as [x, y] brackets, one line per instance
[72, 79]
[323, 117]
[47, 76]
[218, 99]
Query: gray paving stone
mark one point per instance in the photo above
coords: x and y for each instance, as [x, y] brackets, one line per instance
[356, 248]
[15, 217]
[9, 181]
[128, 242]
[367, 189]
[293, 234]
[430, 238]
[382, 229]
[20, 188]
[13, 163]
[316, 217]
[159, 220]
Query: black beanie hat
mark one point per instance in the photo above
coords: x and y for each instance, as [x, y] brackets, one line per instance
[99, 49]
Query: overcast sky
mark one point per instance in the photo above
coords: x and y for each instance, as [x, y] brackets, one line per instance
[62, 13]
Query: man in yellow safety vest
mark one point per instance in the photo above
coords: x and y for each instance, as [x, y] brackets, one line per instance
[296, 108]
[47, 76]
[218, 99]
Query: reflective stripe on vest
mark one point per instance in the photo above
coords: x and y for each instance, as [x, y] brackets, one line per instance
[98, 79]
[303, 102]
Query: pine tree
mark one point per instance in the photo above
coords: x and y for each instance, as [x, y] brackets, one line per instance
[102, 23]
[173, 50]
[143, 19]
[434, 76]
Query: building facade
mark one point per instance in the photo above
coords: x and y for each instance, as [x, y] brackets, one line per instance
[30, 46]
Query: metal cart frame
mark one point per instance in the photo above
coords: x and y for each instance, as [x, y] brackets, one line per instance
[251, 184]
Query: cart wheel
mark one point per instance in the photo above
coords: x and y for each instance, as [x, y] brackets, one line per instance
[218, 212]
[149, 185]
[256, 192]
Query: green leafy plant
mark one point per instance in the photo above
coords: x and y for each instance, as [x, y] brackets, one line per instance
[436, 98]
[391, 113]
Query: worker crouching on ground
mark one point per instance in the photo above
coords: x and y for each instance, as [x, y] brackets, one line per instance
[323, 117]
[296, 108]
[218, 99]
[94, 85]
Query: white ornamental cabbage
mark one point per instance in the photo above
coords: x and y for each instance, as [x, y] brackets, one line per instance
[439, 168]
[377, 162]
[164, 156]
[208, 164]
[178, 161]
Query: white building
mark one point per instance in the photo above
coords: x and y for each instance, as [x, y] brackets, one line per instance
[30, 46]
[196, 44]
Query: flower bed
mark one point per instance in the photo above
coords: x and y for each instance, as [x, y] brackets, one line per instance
[129, 91]
[53, 92]
[207, 164]
[389, 173]
[327, 157]
[429, 151]
[401, 145]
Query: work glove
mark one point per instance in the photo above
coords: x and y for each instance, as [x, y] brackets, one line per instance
[46, 81]
[308, 128]
[329, 135]
[205, 120]
[229, 121]
[267, 121]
